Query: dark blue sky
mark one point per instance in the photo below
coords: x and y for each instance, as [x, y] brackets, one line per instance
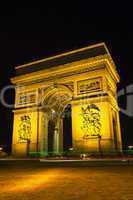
[30, 32]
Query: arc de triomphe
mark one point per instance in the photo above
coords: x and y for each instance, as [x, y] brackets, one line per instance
[79, 83]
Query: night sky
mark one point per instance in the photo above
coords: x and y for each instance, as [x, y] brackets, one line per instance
[31, 32]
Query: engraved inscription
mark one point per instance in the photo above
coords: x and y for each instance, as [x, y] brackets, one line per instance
[89, 85]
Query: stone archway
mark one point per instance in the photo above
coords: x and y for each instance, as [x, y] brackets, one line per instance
[54, 102]
[83, 78]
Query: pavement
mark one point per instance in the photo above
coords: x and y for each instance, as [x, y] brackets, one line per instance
[35, 181]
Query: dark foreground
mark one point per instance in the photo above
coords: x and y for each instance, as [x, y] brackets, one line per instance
[34, 181]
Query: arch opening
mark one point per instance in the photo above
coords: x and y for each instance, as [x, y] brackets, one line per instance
[57, 105]
[67, 128]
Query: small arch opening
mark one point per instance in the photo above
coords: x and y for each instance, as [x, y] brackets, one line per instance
[67, 128]
[51, 129]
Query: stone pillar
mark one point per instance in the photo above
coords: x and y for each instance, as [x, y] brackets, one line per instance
[56, 141]
[43, 136]
[119, 131]
[61, 136]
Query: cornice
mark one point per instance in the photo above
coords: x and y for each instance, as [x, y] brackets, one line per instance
[61, 71]
[61, 55]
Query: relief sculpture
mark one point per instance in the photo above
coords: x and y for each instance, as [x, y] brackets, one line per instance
[91, 124]
[24, 132]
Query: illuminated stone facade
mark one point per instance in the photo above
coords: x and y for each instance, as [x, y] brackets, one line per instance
[85, 79]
